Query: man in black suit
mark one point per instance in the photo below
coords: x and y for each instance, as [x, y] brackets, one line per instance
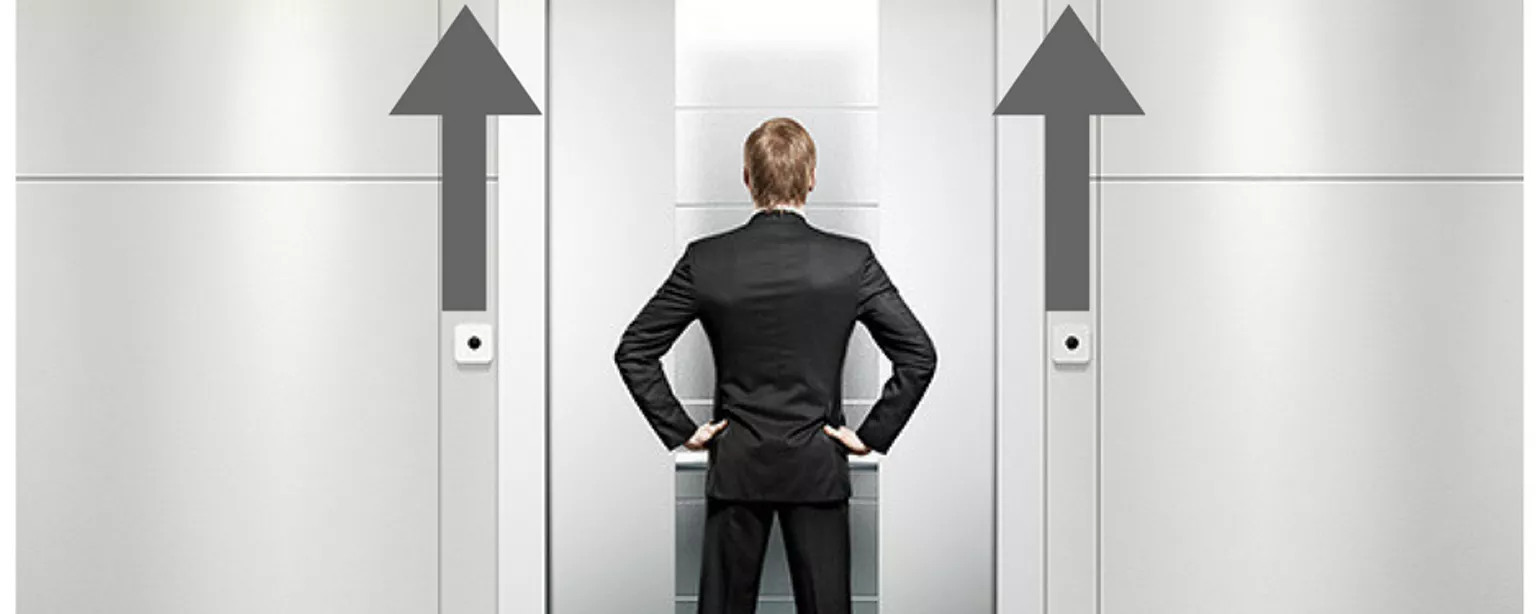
[778, 299]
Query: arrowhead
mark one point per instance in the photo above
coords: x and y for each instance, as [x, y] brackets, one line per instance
[465, 74]
[1068, 74]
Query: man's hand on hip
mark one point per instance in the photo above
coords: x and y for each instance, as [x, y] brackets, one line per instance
[848, 438]
[701, 437]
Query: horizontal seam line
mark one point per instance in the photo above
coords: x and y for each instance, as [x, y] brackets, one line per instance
[1307, 178]
[233, 178]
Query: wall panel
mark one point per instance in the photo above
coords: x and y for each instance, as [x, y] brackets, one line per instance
[185, 87]
[1313, 87]
[1325, 418]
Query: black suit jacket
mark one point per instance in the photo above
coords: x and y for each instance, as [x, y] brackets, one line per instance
[778, 300]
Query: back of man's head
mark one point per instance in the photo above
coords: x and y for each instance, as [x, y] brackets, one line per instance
[780, 163]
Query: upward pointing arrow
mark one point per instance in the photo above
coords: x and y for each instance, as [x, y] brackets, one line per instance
[464, 80]
[1068, 80]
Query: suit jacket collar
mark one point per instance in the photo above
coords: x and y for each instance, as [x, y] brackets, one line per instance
[774, 216]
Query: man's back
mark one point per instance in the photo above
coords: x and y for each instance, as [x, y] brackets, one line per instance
[778, 300]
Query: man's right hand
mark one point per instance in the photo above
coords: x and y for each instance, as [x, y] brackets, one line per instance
[701, 437]
[848, 437]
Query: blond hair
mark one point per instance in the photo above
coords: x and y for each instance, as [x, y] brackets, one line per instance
[780, 162]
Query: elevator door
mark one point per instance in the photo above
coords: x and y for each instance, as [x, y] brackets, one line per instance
[228, 316]
[645, 155]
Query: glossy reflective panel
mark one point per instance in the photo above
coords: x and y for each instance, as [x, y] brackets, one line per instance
[1311, 398]
[179, 87]
[1367, 87]
[611, 243]
[229, 395]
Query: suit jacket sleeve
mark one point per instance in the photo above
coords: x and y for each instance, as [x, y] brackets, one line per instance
[643, 344]
[902, 338]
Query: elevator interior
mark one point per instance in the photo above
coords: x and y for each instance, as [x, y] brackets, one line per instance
[731, 60]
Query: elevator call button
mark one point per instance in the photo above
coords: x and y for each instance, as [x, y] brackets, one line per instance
[473, 344]
[1071, 344]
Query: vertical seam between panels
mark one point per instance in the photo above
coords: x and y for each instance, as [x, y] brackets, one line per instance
[494, 205]
[549, 367]
[1045, 387]
[1098, 327]
[997, 407]
[437, 33]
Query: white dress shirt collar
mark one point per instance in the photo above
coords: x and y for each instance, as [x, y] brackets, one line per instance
[797, 209]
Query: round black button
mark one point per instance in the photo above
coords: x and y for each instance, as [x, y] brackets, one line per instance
[1072, 342]
[474, 343]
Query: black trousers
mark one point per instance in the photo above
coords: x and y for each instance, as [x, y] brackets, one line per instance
[815, 540]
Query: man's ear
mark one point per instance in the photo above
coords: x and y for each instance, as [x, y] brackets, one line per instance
[746, 178]
[813, 181]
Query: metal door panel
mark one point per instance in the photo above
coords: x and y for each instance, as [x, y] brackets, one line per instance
[938, 219]
[229, 397]
[611, 231]
[1310, 398]
[189, 87]
[1316, 87]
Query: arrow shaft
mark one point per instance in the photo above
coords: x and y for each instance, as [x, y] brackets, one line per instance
[1067, 239]
[463, 227]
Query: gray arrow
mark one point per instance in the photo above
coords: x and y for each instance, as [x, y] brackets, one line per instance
[464, 80]
[1068, 80]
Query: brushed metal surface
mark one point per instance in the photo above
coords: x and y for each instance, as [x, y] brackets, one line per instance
[938, 213]
[228, 398]
[177, 87]
[1311, 398]
[1071, 479]
[798, 53]
[1020, 431]
[709, 153]
[522, 264]
[611, 226]
[1369, 87]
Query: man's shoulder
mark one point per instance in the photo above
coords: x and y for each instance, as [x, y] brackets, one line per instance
[739, 236]
[841, 240]
[716, 239]
[845, 248]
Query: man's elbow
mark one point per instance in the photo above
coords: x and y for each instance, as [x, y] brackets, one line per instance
[928, 363]
[626, 356]
[923, 362]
